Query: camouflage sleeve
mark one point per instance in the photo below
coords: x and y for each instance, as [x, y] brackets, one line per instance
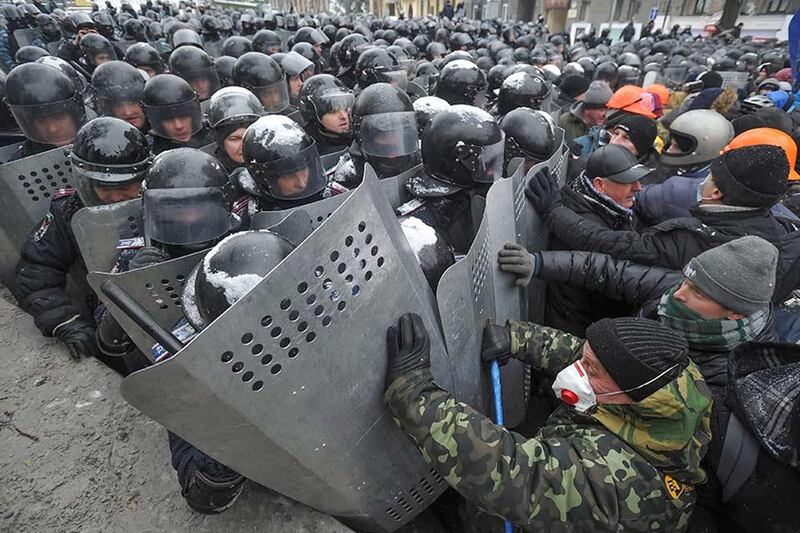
[547, 349]
[538, 482]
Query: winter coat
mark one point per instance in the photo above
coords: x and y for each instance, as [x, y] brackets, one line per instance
[672, 243]
[571, 308]
[572, 125]
[580, 472]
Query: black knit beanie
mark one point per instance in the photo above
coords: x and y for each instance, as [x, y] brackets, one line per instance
[763, 118]
[574, 85]
[641, 130]
[752, 176]
[641, 355]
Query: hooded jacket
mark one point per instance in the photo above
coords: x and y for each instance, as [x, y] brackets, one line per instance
[623, 468]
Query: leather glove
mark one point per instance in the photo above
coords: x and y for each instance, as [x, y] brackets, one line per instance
[409, 347]
[516, 259]
[147, 256]
[78, 335]
[495, 344]
[543, 192]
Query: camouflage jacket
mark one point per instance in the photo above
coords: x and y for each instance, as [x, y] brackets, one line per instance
[575, 474]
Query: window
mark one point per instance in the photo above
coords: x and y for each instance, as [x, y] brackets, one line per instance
[778, 6]
[700, 6]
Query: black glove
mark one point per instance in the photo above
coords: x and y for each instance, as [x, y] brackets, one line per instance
[147, 256]
[78, 335]
[543, 192]
[111, 338]
[495, 344]
[516, 259]
[409, 347]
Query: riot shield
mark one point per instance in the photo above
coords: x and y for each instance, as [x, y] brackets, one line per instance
[25, 36]
[98, 230]
[331, 160]
[8, 151]
[675, 76]
[650, 78]
[286, 386]
[285, 35]
[392, 188]
[53, 47]
[26, 188]
[415, 91]
[737, 80]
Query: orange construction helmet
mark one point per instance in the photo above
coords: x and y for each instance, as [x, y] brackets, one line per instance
[772, 137]
[659, 90]
[633, 99]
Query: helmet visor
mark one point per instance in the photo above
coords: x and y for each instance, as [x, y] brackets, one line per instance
[484, 163]
[53, 124]
[204, 81]
[334, 103]
[292, 178]
[185, 216]
[274, 97]
[389, 134]
[178, 122]
[398, 78]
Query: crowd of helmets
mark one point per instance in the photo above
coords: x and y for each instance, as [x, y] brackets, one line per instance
[211, 114]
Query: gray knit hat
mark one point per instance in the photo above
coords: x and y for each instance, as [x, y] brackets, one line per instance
[597, 95]
[739, 275]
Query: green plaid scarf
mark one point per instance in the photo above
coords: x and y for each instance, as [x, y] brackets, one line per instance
[708, 334]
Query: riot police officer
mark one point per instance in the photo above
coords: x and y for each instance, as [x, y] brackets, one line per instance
[118, 89]
[262, 75]
[144, 57]
[326, 107]
[462, 82]
[194, 65]
[109, 159]
[530, 134]
[231, 111]
[47, 106]
[174, 115]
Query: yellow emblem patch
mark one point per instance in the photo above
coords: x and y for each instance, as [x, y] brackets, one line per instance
[674, 487]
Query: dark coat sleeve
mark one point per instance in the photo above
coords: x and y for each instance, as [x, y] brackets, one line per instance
[616, 279]
[668, 245]
[47, 255]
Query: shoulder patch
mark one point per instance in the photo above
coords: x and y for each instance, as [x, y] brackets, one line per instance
[39, 233]
[63, 193]
[674, 487]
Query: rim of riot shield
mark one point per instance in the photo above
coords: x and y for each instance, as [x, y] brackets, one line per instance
[8, 151]
[27, 187]
[99, 229]
[265, 356]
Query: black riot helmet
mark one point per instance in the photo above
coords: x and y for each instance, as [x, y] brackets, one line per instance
[197, 67]
[522, 90]
[530, 134]
[349, 50]
[49, 27]
[224, 67]
[108, 153]
[145, 57]
[376, 65]
[236, 46]
[589, 66]
[312, 36]
[267, 42]
[630, 59]
[135, 30]
[426, 75]
[66, 68]
[462, 147]
[262, 75]
[172, 108]
[97, 49]
[29, 54]
[14, 17]
[104, 23]
[435, 50]
[607, 72]
[229, 271]
[232, 108]
[628, 75]
[385, 125]
[426, 108]
[462, 82]
[323, 94]
[118, 90]
[186, 201]
[186, 37]
[45, 102]
[283, 159]
[80, 20]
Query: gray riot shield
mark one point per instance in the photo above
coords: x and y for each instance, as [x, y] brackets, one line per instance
[737, 80]
[53, 47]
[331, 160]
[392, 188]
[286, 386]
[650, 78]
[25, 36]
[26, 187]
[675, 76]
[474, 291]
[8, 151]
[98, 230]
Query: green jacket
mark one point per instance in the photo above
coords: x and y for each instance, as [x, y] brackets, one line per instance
[623, 468]
[572, 125]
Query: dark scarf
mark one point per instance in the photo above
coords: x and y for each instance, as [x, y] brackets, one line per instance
[619, 215]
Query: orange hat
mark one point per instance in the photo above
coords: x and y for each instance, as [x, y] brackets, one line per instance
[659, 90]
[772, 137]
[632, 99]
